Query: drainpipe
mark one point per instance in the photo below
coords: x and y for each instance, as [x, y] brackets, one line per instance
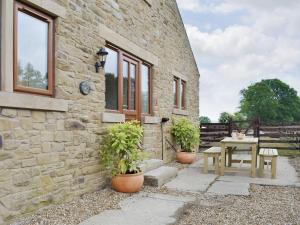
[163, 121]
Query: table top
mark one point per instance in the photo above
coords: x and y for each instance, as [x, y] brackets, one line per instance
[245, 140]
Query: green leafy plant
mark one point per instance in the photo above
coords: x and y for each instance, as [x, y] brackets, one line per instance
[185, 133]
[121, 151]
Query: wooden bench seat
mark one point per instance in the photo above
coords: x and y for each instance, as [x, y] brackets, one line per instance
[214, 152]
[268, 154]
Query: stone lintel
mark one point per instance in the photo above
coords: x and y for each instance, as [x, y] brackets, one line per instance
[49, 6]
[179, 75]
[122, 42]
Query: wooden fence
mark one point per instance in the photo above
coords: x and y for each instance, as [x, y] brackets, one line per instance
[282, 137]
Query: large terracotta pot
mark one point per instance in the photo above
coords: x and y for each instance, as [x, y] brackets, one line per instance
[185, 157]
[128, 183]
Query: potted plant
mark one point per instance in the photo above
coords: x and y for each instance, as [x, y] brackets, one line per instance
[121, 152]
[186, 136]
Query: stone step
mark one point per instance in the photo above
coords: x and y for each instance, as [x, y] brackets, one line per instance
[160, 176]
[151, 164]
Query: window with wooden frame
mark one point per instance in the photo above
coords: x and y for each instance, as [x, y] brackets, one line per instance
[33, 50]
[127, 84]
[176, 92]
[179, 93]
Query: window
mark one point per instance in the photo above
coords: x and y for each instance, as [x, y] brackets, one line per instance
[33, 51]
[128, 84]
[111, 80]
[145, 89]
[179, 92]
[175, 92]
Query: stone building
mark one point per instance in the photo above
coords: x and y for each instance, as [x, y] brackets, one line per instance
[50, 130]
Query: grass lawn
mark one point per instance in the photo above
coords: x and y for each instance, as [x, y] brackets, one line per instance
[289, 152]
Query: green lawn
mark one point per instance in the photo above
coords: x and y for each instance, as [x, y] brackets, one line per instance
[289, 152]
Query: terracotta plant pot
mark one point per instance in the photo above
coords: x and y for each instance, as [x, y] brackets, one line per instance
[128, 183]
[185, 157]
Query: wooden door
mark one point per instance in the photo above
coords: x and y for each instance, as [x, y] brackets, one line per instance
[130, 88]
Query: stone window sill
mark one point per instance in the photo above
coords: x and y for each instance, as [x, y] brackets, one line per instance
[180, 112]
[108, 117]
[28, 101]
[151, 120]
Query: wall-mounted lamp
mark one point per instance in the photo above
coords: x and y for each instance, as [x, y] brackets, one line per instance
[102, 53]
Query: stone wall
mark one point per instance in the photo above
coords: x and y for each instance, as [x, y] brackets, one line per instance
[50, 157]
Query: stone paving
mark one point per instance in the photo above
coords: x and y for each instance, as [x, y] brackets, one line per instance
[142, 209]
[159, 209]
[237, 181]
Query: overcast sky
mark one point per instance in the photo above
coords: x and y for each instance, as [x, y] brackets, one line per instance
[239, 42]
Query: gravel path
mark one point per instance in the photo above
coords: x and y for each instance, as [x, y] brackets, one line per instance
[77, 210]
[266, 205]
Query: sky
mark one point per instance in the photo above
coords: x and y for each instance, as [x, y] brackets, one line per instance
[240, 42]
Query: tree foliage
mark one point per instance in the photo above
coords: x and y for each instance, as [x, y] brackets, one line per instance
[271, 100]
[225, 117]
[204, 119]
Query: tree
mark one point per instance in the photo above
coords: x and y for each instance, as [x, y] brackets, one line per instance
[30, 77]
[225, 117]
[204, 119]
[271, 100]
[238, 116]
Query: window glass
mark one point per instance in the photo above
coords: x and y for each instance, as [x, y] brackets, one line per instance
[32, 52]
[145, 92]
[181, 94]
[125, 85]
[132, 85]
[111, 80]
[175, 81]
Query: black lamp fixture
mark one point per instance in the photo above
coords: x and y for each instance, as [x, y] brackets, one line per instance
[102, 53]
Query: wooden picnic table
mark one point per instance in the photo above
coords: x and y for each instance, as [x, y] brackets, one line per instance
[251, 142]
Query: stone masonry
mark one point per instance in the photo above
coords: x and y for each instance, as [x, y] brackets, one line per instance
[48, 157]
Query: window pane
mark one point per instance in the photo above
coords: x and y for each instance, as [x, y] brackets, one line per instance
[182, 94]
[32, 51]
[175, 91]
[145, 89]
[111, 80]
[132, 85]
[125, 85]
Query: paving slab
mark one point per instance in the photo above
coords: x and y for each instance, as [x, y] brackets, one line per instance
[151, 164]
[160, 176]
[142, 209]
[286, 175]
[191, 180]
[229, 188]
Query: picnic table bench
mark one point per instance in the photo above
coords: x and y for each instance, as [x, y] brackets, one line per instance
[268, 154]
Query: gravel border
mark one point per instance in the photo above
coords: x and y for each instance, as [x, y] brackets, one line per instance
[265, 205]
[76, 211]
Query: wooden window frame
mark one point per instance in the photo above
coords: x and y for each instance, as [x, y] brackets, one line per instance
[180, 101]
[176, 80]
[150, 89]
[123, 55]
[18, 6]
[183, 96]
